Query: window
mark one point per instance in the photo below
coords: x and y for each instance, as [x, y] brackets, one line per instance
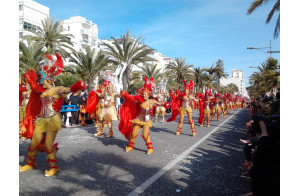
[21, 20]
[20, 35]
[20, 7]
[25, 25]
[68, 28]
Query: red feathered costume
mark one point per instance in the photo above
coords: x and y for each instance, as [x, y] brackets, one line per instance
[136, 114]
[45, 102]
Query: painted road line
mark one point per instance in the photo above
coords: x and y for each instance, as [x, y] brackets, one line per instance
[161, 172]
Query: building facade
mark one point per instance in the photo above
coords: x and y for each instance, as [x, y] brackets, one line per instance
[85, 32]
[31, 14]
[237, 79]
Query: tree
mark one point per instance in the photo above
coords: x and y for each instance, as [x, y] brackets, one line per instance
[128, 52]
[200, 79]
[211, 75]
[219, 72]
[88, 65]
[52, 38]
[151, 70]
[231, 88]
[266, 79]
[30, 56]
[179, 70]
[276, 8]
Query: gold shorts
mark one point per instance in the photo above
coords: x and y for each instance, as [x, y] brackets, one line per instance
[138, 122]
[44, 125]
[108, 114]
[185, 110]
[160, 110]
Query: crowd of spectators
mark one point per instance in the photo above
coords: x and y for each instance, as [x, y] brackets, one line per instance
[262, 148]
[78, 99]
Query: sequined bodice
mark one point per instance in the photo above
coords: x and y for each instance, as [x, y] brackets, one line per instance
[206, 105]
[47, 109]
[25, 99]
[186, 102]
[145, 113]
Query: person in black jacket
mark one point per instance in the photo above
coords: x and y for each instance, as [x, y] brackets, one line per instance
[265, 173]
[74, 98]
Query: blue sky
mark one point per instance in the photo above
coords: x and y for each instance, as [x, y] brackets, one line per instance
[202, 31]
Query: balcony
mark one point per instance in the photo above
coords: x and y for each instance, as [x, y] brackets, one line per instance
[84, 31]
[85, 42]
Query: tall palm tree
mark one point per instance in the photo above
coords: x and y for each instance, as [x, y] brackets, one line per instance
[179, 70]
[211, 74]
[232, 88]
[151, 70]
[88, 65]
[128, 52]
[52, 38]
[200, 78]
[276, 8]
[30, 56]
[219, 72]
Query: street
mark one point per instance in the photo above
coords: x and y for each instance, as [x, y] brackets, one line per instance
[208, 164]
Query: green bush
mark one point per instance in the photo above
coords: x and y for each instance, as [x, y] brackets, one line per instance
[65, 80]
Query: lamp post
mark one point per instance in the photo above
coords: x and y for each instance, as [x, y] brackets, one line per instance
[260, 49]
[253, 67]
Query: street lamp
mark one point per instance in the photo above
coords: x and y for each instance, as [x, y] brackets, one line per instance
[260, 49]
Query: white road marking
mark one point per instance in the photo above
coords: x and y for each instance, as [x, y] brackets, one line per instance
[161, 172]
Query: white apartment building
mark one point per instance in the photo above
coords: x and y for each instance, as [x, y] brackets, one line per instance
[237, 79]
[31, 14]
[85, 32]
[237, 74]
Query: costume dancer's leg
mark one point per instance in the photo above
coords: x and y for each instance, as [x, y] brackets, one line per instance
[146, 138]
[51, 153]
[32, 151]
[135, 131]
[191, 121]
[100, 128]
[110, 127]
[180, 123]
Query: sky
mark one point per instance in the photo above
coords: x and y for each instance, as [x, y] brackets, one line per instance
[202, 31]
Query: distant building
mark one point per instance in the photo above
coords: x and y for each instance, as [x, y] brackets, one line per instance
[31, 14]
[237, 74]
[85, 32]
[237, 79]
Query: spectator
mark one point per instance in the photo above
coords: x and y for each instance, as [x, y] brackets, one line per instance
[64, 114]
[264, 165]
[74, 98]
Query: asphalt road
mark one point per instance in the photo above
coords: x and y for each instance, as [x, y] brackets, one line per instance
[208, 164]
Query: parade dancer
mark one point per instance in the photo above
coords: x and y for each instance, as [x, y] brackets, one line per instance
[108, 112]
[216, 106]
[161, 110]
[206, 108]
[24, 98]
[185, 107]
[136, 114]
[201, 107]
[222, 105]
[48, 121]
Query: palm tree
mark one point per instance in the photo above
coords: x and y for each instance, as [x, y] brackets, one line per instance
[151, 70]
[127, 52]
[219, 72]
[211, 74]
[52, 38]
[276, 8]
[30, 56]
[179, 70]
[232, 88]
[88, 65]
[200, 79]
